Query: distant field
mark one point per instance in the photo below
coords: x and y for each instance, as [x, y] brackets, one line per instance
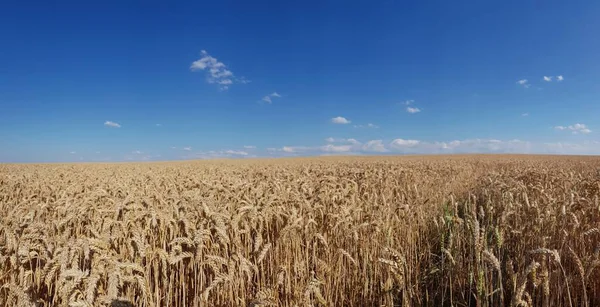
[463, 230]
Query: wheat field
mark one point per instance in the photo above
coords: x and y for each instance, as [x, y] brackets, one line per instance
[356, 231]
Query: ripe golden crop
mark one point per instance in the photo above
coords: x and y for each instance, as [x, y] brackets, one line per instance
[385, 231]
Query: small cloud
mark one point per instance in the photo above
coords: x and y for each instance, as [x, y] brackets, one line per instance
[236, 153]
[249, 147]
[336, 148]
[334, 140]
[73, 152]
[269, 98]
[408, 102]
[340, 120]
[547, 79]
[559, 78]
[524, 83]
[97, 152]
[137, 152]
[108, 123]
[369, 125]
[288, 149]
[216, 71]
[525, 114]
[575, 129]
[374, 146]
[173, 147]
[158, 125]
[400, 143]
[352, 141]
[187, 148]
[412, 110]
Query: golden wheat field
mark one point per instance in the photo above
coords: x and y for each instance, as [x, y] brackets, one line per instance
[385, 231]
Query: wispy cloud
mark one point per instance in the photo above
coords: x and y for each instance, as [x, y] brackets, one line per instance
[550, 78]
[218, 154]
[73, 152]
[108, 123]
[216, 71]
[137, 152]
[525, 114]
[369, 125]
[269, 98]
[402, 143]
[187, 148]
[173, 147]
[340, 120]
[524, 83]
[236, 152]
[249, 147]
[374, 146]
[288, 149]
[412, 110]
[408, 102]
[342, 140]
[413, 146]
[158, 125]
[575, 129]
[336, 148]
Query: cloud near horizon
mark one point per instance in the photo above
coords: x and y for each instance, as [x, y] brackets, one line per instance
[419, 147]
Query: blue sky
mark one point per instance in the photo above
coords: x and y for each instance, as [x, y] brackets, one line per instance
[133, 80]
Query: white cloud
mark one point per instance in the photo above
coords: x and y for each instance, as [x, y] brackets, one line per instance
[575, 129]
[340, 120]
[525, 114]
[341, 140]
[236, 153]
[137, 152]
[417, 147]
[374, 146]
[218, 154]
[408, 102]
[288, 149]
[108, 123]
[249, 147]
[559, 78]
[216, 71]
[187, 148]
[400, 143]
[353, 141]
[269, 98]
[336, 148]
[547, 78]
[173, 147]
[158, 125]
[73, 152]
[412, 110]
[369, 125]
[524, 83]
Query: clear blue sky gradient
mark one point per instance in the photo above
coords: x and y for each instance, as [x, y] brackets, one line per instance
[70, 66]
